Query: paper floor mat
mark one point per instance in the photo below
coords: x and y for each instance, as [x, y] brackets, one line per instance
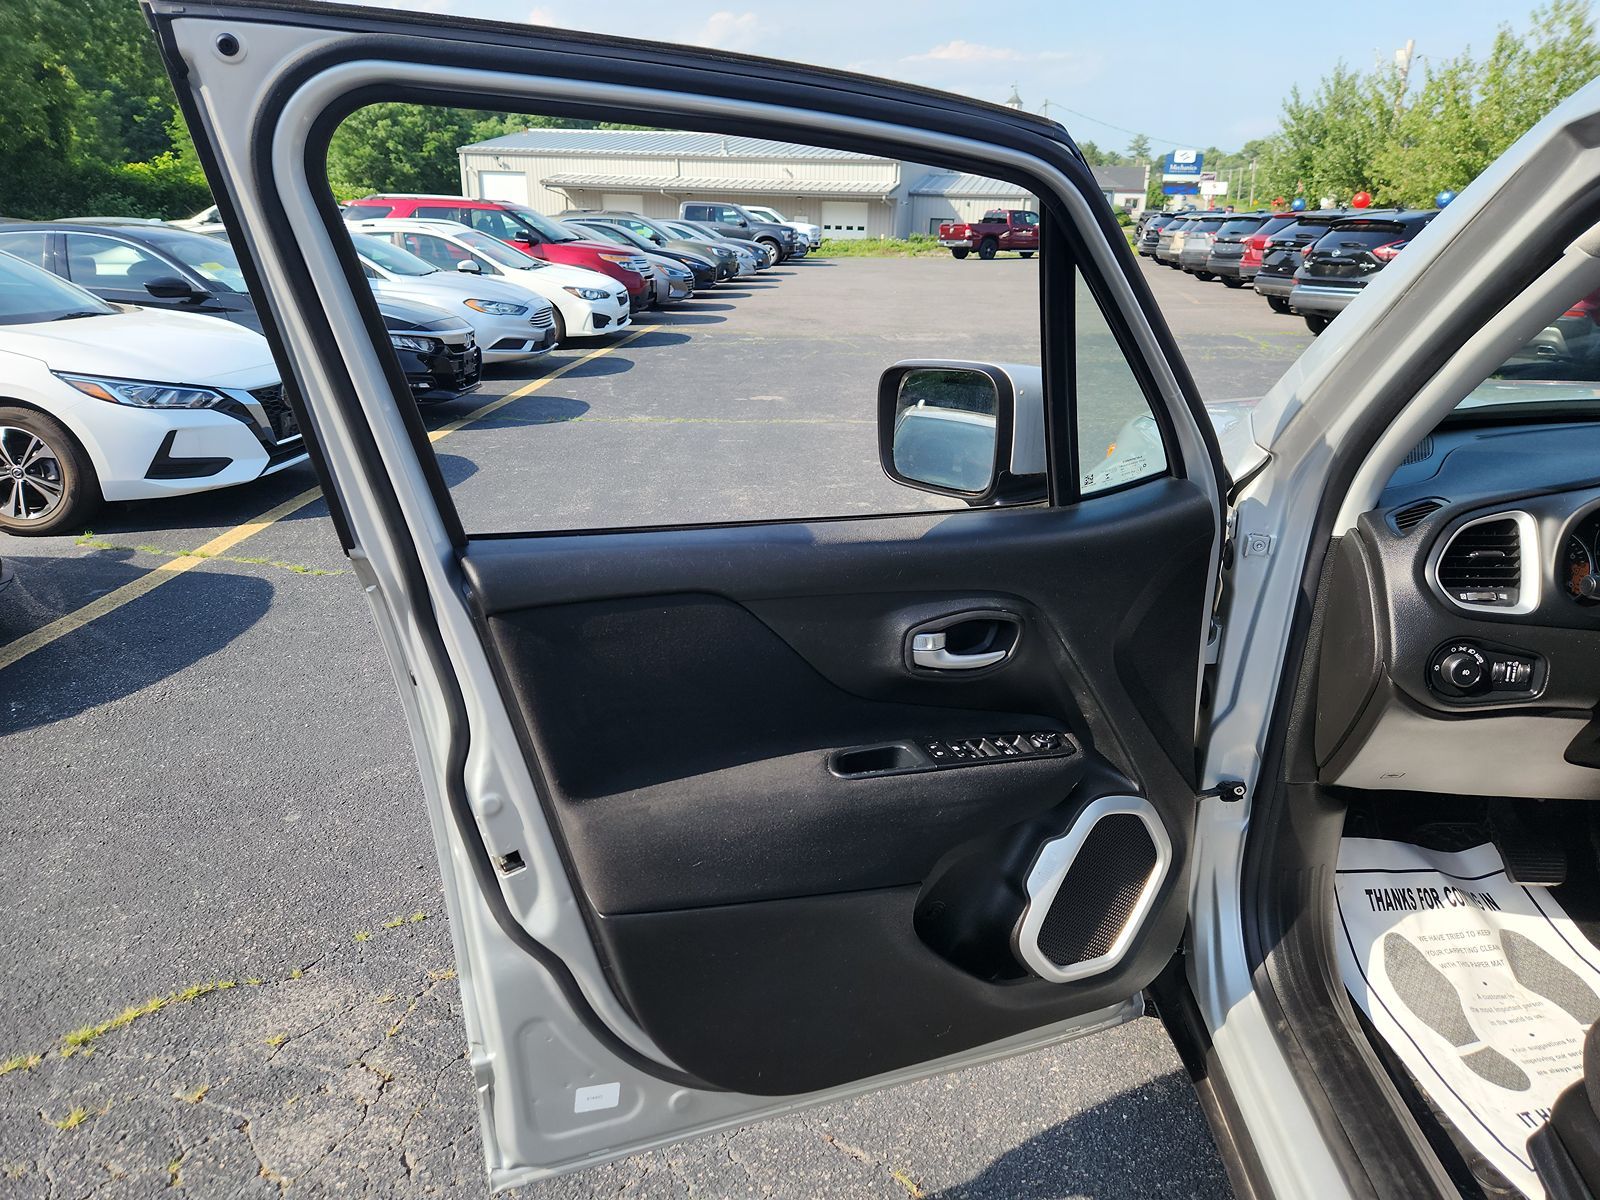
[1483, 988]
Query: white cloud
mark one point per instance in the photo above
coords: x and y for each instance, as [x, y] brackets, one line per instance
[727, 31]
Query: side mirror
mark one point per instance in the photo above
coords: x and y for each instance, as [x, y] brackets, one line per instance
[468, 266]
[171, 287]
[522, 237]
[970, 430]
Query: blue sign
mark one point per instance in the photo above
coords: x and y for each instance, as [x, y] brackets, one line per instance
[1180, 189]
[1183, 163]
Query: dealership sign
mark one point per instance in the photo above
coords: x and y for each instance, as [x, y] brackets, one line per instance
[1182, 165]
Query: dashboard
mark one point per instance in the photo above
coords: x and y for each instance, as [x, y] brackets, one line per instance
[1461, 634]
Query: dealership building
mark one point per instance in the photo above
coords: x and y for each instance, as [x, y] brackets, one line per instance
[850, 195]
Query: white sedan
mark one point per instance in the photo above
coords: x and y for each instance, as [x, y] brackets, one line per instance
[509, 323]
[124, 403]
[587, 303]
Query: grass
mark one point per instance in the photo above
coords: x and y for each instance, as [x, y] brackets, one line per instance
[918, 245]
[71, 1121]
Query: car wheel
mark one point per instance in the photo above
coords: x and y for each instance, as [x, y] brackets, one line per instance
[1025, 253]
[771, 244]
[1317, 324]
[1204, 276]
[988, 248]
[1232, 283]
[47, 482]
[1278, 304]
[962, 253]
[561, 326]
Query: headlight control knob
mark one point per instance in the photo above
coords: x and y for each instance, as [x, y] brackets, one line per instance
[1460, 669]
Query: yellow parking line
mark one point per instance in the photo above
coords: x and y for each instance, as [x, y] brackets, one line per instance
[25, 645]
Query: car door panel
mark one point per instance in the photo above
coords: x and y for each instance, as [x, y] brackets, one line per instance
[686, 736]
[668, 912]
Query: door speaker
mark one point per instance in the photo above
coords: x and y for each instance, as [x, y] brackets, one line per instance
[1090, 889]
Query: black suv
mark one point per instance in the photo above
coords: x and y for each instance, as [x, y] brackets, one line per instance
[1351, 252]
[1281, 256]
[1150, 231]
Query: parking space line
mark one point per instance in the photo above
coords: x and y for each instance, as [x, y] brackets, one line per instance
[19, 648]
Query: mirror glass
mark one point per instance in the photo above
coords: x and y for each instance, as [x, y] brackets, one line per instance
[944, 429]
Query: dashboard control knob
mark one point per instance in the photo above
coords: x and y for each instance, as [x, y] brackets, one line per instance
[1589, 586]
[1461, 671]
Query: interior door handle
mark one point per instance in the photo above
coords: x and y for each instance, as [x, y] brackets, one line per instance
[929, 651]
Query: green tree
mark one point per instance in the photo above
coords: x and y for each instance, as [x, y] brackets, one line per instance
[1139, 149]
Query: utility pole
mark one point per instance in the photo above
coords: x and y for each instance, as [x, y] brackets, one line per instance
[1252, 183]
[1402, 60]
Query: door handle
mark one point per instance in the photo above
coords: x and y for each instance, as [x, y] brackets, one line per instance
[930, 652]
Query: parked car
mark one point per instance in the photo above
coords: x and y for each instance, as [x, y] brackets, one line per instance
[704, 266]
[709, 263]
[107, 402]
[1236, 250]
[1150, 232]
[207, 221]
[1341, 262]
[1198, 235]
[811, 233]
[519, 226]
[748, 257]
[1170, 244]
[509, 324]
[672, 279]
[765, 255]
[586, 303]
[998, 229]
[733, 220]
[155, 266]
[1283, 252]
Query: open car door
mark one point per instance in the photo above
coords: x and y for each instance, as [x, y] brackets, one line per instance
[735, 817]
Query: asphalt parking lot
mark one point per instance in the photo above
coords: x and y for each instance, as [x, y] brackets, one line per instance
[227, 968]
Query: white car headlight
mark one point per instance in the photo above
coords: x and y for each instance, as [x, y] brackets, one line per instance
[137, 393]
[412, 341]
[583, 293]
[497, 308]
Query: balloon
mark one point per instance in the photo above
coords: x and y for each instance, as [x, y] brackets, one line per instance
[1444, 197]
[1299, 204]
[1278, 202]
[1361, 200]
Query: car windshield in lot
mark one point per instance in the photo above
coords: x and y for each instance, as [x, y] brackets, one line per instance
[390, 257]
[1365, 235]
[548, 228]
[1241, 226]
[503, 255]
[29, 295]
[209, 257]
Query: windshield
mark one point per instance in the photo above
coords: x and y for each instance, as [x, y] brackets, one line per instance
[617, 235]
[768, 214]
[551, 231]
[29, 294]
[501, 254]
[390, 257]
[1235, 228]
[690, 232]
[212, 258]
[1559, 368]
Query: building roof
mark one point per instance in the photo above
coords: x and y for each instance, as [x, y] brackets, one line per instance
[1119, 179]
[717, 185]
[638, 143]
[952, 183]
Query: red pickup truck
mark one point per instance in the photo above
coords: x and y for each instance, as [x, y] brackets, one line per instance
[1000, 229]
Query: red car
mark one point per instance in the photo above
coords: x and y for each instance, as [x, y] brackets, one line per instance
[521, 227]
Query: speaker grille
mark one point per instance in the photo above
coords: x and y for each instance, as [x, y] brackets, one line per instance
[1100, 890]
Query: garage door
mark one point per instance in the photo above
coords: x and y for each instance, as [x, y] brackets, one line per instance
[844, 218]
[509, 186]
[621, 202]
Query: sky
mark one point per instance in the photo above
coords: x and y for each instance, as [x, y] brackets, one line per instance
[1160, 67]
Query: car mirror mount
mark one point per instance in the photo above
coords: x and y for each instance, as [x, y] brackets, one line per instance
[970, 430]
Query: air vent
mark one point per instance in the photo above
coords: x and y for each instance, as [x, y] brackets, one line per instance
[1422, 452]
[1408, 516]
[1482, 565]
